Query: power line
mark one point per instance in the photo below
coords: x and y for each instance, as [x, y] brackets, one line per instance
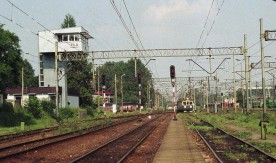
[127, 29]
[124, 24]
[204, 27]
[213, 23]
[133, 25]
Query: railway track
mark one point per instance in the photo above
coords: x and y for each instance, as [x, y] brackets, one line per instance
[26, 136]
[229, 148]
[15, 150]
[119, 148]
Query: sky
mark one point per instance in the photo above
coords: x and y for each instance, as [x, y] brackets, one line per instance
[160, 24]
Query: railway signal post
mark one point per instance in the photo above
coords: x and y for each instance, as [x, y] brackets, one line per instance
[104, 98]
[172, 74]
[139, 88]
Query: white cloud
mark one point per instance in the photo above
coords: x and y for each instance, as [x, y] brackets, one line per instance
[173, 8]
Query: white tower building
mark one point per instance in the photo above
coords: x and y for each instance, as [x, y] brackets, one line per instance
[73, 41]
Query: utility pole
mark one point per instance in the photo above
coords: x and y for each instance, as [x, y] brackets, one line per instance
[202, 93]
[22, 89]
[115, 83]
[56, 75]
[216, 99]
[263, 69]
[135, 67]
[208, 89]
[93, 76]
[263, 121]
[162, 101]
[98, 97]
[234, 76]
[250, 83]
[207, 96]
[122, 98]
[242, 90]
[194, 98]
[246, 73]
[148, 94]
[190, 88]
[273, 88]
[216, 87]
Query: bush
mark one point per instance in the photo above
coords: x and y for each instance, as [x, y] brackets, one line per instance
[90, 111]
[10, 117]
[6, 107]
[68, 112]
[33, 106]
[24, 116]
[48, 107]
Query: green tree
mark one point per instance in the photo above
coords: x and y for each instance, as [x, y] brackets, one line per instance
[79, 77]
[130, 84]
[30, 80]
[240, 97]
[33, 106]
[10, 60]
[79, 74]
[68, 21]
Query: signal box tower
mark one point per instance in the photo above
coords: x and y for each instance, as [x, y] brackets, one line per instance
[70, 40]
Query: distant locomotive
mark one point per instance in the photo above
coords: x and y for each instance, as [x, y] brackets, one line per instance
[185, 105]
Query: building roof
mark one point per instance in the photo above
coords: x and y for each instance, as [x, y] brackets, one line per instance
[80, 30]
[39, 90]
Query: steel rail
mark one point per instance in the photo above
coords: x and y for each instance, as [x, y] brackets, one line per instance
[138, 143]
[55, 137]
[5, 138]
[27, 133]
[111, 141]
[208, 145]
[249, 144]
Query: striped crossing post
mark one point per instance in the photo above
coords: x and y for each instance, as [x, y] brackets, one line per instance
[140, 97]
[172, 74]
[104, 98]
[174, 102]
[139, 90]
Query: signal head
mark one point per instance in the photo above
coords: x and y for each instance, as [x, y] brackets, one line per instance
[172, 72]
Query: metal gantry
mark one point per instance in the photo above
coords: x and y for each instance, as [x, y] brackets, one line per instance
[181, 79]
[149, 53]
[266, 65]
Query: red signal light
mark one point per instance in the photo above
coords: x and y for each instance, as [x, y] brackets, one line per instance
[172, 71]
[139, 77]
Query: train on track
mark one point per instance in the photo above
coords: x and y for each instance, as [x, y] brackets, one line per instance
[185, 105]
[258, 103]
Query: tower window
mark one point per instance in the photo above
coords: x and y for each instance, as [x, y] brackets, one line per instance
[59, 38]
[71, 37]
[64, 37]
[77, 38]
